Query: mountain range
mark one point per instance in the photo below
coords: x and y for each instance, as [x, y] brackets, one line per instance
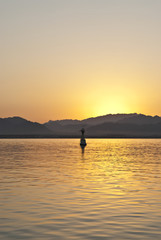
[107, 126]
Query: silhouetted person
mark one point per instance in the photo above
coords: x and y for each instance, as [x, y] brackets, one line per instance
[82, 140]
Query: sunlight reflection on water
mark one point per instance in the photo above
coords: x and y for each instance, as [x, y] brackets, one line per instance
[50, 190]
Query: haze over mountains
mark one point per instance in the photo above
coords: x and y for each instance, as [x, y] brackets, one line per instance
[111, 125]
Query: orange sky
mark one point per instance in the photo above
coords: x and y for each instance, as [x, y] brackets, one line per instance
[78, 59]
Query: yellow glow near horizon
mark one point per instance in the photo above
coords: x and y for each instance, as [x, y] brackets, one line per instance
[80, 59]
[112, 105]
[112, 108]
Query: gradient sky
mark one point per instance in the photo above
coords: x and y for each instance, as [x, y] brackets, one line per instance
[79, 58]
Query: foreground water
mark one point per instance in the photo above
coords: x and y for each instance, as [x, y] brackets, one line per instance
[50, 190]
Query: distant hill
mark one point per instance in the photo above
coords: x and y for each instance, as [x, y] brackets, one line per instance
[111, 125]
[20, 126]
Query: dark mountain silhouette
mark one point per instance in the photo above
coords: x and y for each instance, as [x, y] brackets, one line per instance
[125, 130]
[20, 126]
[140, 119]
[111, 125]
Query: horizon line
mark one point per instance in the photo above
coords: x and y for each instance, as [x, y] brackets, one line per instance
[132, 113]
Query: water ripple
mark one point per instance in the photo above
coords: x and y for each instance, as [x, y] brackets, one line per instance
[50, 190]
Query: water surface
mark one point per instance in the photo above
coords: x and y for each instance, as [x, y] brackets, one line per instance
[50, 190]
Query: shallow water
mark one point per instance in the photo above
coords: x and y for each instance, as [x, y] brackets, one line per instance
[50, 190]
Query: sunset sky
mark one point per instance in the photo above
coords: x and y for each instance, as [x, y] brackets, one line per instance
[79, 58]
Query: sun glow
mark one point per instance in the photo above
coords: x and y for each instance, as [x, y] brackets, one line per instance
[112, 106]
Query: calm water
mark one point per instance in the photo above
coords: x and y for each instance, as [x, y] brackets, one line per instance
[50, 190]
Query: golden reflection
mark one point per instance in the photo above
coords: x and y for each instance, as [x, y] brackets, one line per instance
[45, 182]
[115, 167]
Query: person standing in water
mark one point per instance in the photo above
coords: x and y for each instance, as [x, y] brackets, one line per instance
[82, 140]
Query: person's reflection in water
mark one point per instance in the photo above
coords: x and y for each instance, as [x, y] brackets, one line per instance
[82, 147]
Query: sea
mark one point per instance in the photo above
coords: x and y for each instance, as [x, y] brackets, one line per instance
[52, 189]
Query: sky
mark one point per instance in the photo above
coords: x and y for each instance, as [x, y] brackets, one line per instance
[74, 59]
